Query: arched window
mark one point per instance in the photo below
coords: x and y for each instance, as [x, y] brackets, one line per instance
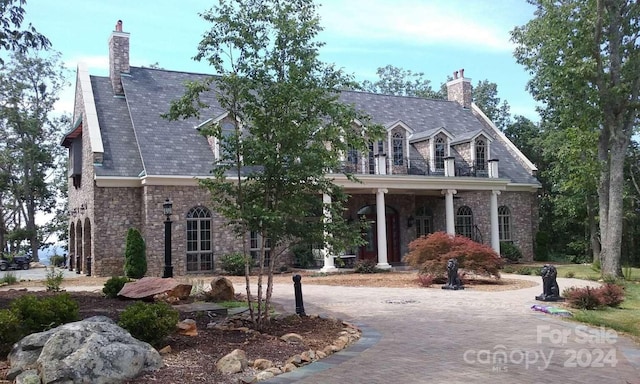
[439, 154]
[504, 223]
[424, 221]
[464, 222]
[481, 154]
[255, 246]
[398, 149]
[199, 247]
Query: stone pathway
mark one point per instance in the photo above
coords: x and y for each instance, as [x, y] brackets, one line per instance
[437, 336]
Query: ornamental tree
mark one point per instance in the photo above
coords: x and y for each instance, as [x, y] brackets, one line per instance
[290, 129]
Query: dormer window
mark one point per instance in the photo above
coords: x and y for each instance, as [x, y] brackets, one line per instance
[225, 152]
[440, 153]
[398, 149]
[481, 154]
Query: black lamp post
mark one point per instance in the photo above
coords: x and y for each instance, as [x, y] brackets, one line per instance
[167, 207]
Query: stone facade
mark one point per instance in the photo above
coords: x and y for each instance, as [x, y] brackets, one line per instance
[459, 90]
[118, 58]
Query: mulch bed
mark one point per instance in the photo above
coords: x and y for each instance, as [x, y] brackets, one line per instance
[192, 358]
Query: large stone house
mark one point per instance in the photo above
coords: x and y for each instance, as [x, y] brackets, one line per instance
[443, 166]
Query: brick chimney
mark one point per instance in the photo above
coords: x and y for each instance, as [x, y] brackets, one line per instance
[118, 57]
[459, 89]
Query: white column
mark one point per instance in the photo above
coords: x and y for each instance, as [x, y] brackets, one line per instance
[495, 233]
[449, 215]
[329, 265]
[381, 226]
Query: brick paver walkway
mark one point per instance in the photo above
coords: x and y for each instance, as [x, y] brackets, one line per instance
[440, 336]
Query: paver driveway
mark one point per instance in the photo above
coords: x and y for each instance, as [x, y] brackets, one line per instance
[439, 336]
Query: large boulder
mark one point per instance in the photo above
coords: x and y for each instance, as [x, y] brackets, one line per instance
[221, 290]
[234, 362]
[149, 287]
[95, 350]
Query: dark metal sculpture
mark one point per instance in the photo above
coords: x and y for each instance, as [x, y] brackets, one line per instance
[453, 280]
[550, 289]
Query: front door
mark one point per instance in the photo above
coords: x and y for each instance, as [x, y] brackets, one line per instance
[369, 251]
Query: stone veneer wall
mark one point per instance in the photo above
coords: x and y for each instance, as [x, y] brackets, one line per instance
[184, 198]
[83, 195]
[119, 210]
[464, 150]
[523, 216]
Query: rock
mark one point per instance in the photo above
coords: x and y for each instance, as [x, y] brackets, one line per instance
[307, 356]
[289, 367]
[95, 350]
[165, 351]
[292, 338]
[295, 360]
[221, 290]
[234, 362]
[188, 327]
[264, 375]
[148, 287]
[28, 377]
[262, 364]
[247, 380]
[274, 370]
[320, 355]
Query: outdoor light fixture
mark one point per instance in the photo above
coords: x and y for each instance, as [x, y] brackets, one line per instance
[410, 221]
[167, 208]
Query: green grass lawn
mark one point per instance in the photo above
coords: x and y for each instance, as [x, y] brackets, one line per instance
[626, 318]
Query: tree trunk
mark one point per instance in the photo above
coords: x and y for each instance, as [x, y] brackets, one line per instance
[611, 244]
[594, 240]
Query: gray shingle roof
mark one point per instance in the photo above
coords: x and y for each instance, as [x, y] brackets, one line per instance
[176, 148]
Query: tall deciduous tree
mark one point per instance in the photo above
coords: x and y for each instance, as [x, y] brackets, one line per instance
[289, 129]
[585, 62]
[402, 82]
[29, 86]
[12, 37]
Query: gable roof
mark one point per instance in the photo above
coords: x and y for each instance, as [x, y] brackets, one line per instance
[138, 141]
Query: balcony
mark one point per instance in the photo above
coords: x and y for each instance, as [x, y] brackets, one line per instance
[418, 167]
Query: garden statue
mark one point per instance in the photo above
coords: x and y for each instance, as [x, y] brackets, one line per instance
[550, 289]
[453, 280]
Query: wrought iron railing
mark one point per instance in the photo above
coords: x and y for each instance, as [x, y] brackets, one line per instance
[412, 166]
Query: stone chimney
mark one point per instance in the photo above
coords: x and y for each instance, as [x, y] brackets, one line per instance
[459, 89]
[118, 57]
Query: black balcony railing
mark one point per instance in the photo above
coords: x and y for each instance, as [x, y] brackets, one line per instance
[414, 166]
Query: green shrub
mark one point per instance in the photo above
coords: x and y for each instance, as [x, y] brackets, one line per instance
[430, 255]
[543, 242]
[9, 278]
[365, 266]
[57, 260]
[54, 279]
[303, 256]
[37, 315]
[149, 322]
[508, 269]
[10, 331]
[135, 260]
[510, 251]
[570, 274]
[596, 265]
[114, 285]
[234, 263]
[524, 271]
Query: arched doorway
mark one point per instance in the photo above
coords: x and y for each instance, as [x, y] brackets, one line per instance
[87, 247]
[72, 246]
[78, 247]
[369, 251]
